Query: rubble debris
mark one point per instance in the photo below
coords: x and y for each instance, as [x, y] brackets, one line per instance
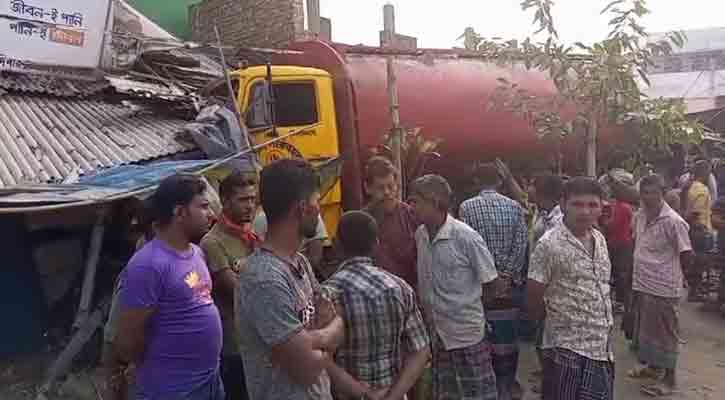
[166, 73]
[78, 386]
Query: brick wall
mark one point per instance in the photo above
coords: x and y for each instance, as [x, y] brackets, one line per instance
[252, 23]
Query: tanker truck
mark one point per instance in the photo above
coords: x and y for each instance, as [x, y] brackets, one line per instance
[336, 95]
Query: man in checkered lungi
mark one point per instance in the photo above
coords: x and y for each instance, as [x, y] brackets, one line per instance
[454, 265]
[502, 224]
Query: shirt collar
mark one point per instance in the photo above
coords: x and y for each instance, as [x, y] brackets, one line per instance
[569, 235]
[553, 213]
[356, 261]
[446, 231]
[292, 262]
[665, 212]
[487, 191]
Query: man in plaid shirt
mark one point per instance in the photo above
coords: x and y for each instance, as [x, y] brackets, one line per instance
[502, 224]
[386, 347]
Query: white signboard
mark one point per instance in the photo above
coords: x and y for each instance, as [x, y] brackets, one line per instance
[51, 32]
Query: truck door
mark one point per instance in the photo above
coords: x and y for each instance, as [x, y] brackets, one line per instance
[299, 102]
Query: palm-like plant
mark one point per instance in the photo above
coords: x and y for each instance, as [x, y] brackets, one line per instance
[415, 151]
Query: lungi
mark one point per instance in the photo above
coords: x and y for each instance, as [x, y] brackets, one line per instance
[571, 376]
[463, 374]
[622, 268]
[622, 260]
[505, 344]
[657, 330]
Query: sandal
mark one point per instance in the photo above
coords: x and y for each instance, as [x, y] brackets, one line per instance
[643, 373]
[658, 391]
[536, 389]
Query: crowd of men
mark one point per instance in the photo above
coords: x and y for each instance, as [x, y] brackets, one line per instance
[244, 316]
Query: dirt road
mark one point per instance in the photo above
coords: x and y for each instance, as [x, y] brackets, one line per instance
[701, 368]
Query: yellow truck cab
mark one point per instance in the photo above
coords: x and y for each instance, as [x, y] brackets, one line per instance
[302, 98]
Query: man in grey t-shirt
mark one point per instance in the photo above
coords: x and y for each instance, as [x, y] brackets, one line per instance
[277, 304]
[287, 333]
[312, 247]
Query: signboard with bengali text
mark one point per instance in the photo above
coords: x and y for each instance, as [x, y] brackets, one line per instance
[51, 32]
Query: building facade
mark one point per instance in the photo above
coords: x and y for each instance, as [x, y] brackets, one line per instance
[251, 23]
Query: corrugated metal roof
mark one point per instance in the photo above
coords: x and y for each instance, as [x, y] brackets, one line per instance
[49, 84]
[697, 40]
[46, 138]
[687, 84]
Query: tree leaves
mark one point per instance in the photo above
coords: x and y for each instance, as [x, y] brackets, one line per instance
[611, 5]
[416, 150]
[542, 15]
[643, 75]
[678, 38]
[598, 78]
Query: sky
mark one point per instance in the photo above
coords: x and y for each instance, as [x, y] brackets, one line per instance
[437, 24]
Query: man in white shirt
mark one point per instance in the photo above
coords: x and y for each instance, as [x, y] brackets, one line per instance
[455, 269]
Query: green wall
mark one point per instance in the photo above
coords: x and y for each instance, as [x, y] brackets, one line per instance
[172, 15]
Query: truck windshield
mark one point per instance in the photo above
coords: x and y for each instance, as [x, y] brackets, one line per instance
[295, 105]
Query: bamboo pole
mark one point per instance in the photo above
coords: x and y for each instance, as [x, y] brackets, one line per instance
[89, 280]
[592, 134]
[63, 363]
[396, 133]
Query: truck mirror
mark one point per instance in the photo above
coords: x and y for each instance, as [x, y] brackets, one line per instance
[259, 113]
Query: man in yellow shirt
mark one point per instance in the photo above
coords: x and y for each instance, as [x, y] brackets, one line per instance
[698, 213]
[699, 200]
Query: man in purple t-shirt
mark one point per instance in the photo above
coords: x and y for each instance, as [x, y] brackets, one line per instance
[169, 326]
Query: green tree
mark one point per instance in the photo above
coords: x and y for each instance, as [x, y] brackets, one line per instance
[601, 80]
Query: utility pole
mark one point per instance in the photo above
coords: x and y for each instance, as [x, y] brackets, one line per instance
[396, 132]
[389, 18]
[388, 35]
[313, 17]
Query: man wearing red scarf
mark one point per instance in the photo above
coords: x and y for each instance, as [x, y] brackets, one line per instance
[227, 246]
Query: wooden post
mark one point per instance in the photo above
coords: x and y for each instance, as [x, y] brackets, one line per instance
[63, 363]
[89, 280]
[559, 156]
[592, 146]
[396, 133]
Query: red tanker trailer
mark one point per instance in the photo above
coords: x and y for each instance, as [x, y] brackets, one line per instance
[341, 91]
[444, 92]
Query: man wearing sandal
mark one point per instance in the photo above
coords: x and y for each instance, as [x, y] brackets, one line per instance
[662, 251]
